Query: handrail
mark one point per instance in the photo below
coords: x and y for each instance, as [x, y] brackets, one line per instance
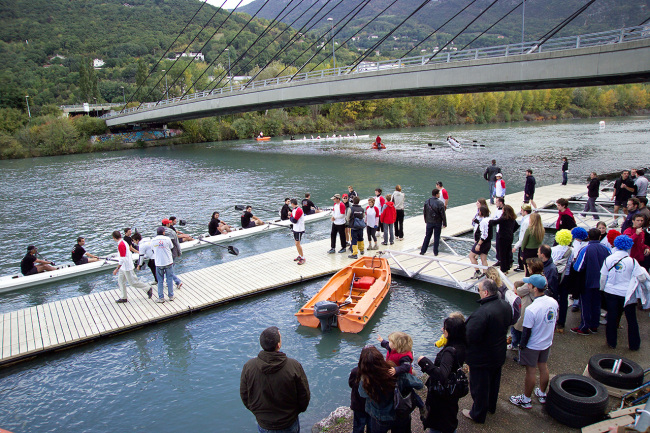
[556, 44]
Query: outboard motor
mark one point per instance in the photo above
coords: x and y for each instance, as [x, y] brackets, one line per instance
[326, 312]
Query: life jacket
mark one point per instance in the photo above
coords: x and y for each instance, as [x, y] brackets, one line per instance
[391, 355]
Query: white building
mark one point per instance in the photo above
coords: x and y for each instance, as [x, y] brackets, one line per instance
[98, 63]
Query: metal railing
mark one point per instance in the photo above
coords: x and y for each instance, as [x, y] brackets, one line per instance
[557, 44]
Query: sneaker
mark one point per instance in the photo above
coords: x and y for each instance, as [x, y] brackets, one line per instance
[121, 301]
[362, 252]
[603, 321]
[384, 243]
[593, 330]
[392, 243]
[477, 274]
[541, 396]
[614, 224]
[579, 331]
[343, 250]
[559, 329]
[150, 292]
[353, 256]
[332, 251]
[302, 261]
[518, 269]
[297, 259]
[179, 286]
[520, 400]
[171, 298]
[159, 300]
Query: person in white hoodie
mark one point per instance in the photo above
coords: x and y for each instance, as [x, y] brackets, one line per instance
[523, 225]
[125, 269]
[398, 201]
[162, 247]
[615, 275]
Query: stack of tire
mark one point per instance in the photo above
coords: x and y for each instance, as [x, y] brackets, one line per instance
[629, 376]
[576, 401]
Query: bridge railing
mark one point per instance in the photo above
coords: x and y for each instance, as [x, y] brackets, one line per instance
[555, 44]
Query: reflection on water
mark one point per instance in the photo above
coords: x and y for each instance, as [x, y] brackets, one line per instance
[184, 374]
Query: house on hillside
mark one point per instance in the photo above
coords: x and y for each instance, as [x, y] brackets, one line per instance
[198, 56]
[98, 63]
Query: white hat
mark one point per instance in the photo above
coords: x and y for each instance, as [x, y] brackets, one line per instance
[499, 175]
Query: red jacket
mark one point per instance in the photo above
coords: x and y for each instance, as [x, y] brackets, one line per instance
[639, 244]
[389, 215]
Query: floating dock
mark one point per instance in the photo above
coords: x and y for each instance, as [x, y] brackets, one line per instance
[66, 323]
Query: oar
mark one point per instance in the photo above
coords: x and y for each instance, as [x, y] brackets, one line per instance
[349, 299]
[232, 250]
[279, 225]
[43, 258]
[108, 259]
[241, 207]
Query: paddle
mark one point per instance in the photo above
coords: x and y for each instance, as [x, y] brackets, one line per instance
[279, 225]
[241, 207]
[232, 250]
[349, 299]
[43, 258]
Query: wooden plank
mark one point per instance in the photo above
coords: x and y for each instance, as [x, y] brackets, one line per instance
[37, 341]
[626, 411]
[114, 309]
[604, 426]
[54, 337]
[15, 341]
[77, 327]
[101, 313]
[21, 331]
[85, 324]
[6, 339]
[63, 321]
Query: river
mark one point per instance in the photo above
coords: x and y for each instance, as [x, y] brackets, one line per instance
[184, 374]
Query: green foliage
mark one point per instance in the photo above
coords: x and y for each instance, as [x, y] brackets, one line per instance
[12, 119]
[87, 126]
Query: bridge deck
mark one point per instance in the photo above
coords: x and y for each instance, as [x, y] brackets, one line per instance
[53, 326]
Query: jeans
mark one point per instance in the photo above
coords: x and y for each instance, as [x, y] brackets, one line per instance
[360, 422]
[516, 336]
[399, 425]
[294, 428]
[590, 308]
[615, 308]
[399, 223]
[493, 188]
[388, 228]
[435, 229]
[165, 272]
[565, 177]
[590, 206]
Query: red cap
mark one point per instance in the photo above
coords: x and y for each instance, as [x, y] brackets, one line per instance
[166, 221]
[345, 195]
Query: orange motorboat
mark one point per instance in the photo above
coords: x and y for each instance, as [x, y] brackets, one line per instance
[350, 297]
[262, 138]
[379, 146]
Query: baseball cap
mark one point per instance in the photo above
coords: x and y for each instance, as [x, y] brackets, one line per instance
[160, 230]
[499, 175]
[526, 207]
[345, 196]
[336, 196]
[166, 221]
[536, 280]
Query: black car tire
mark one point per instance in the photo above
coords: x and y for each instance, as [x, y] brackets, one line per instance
[629, 376]
[578, 394]
[571, 419]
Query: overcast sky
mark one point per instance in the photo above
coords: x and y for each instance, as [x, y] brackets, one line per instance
[229, 3]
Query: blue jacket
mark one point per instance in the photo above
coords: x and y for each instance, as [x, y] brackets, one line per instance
[591, 259]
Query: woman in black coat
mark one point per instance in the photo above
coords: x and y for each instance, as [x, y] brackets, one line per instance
[507, 224]
[442, 412]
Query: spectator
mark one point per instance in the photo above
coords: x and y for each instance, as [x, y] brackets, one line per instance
[500, 203]
[338, 224]
[523, 226]
[544, 253]
[486, 350]
[615, 276]
[361, 419]
[632, 210]
[435, 218]
[499, 186]
[372, 223]
[534, 266]
[539, 325]
[482, 239]
[443, 194]
[398, 200]
[388, 217]
[639, 250]
[442, 411]
[593, 191]
[490, 176]
[529, 188]
[643, 209]
[641, 184]
[624, 188]
[533, 237]
[565, 218]
[506, 226]
[274, 387]
[561, 254]
[565, 171]
[590, 259]
[356, 212]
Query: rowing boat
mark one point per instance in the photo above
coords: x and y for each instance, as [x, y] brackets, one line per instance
[67, 271]
[351, 296]
[332, 138]
[262, 138]
[454, 144]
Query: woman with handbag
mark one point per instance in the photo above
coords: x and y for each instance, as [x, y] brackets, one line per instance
[441, 415]
[389, 399]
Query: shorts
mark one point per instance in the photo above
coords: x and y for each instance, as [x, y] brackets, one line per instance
[250, 225]
[32, 271]
[483, 249]
[81, 261]
[622, 203]
[531, 357]
[297, 236]
[528, 198]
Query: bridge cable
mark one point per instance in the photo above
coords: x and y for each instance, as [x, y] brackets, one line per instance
[168, 71]
[646, 20]
[165, 53]
[438, 29]
[357, 32]
[210, 39]
[295, 36]
[490, 28]
[264, 33]
[361, 58]
[460, 32]
[563, 24]
[333, 35]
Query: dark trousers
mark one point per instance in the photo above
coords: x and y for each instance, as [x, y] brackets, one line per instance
[435, 230]
[615, 308]
[563, 301]
[152, 267]
[372, 233]
[504, 253]
[399, 223]
[400, 425]
[356, 235]
[484, 383]
[520, 259]
[590, 206]
[590, 308]
[565, 177]
[340, 229]
[527, 254]
[361, 422]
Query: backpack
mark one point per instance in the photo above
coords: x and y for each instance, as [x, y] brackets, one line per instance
[358, 223]
[457, 383]
[404, 405]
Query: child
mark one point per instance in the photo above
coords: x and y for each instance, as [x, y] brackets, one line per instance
[388, 217]
[400, 351]
[372, 223]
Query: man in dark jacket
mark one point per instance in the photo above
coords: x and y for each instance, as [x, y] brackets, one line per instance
[490, 175]
[486, 350]
[593, 191]
[274, 387]
[436, 218]
[529, 188]
[550, 271]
